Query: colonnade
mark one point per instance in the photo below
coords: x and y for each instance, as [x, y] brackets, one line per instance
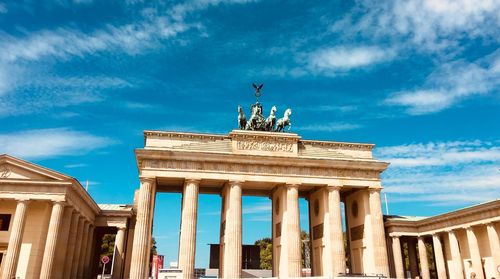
[446, 268]
[74, 257]
[287, 261]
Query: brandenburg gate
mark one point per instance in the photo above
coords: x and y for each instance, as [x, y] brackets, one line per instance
[282, 166]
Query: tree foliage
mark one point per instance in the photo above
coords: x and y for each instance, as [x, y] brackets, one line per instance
[266, 253]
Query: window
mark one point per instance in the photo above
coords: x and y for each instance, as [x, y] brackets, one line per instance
[4, 222]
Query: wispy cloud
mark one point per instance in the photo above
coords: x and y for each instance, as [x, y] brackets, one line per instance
[73, 166]
[347, 58]
[329, 127]
[429, 25]
[43, 94]
[257, 208]
[458, 172]
[450, 84]
[47, 143]
[64, 43]
[3, 8]
[440, 153]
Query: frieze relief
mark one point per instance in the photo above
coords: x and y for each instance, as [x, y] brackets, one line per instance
[257, 168]
[265, 146]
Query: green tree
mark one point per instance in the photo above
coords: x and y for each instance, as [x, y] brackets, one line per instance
[266, 253]
[304, 240]
[107, 248]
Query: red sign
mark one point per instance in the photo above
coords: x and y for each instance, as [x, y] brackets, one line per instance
[105, 260]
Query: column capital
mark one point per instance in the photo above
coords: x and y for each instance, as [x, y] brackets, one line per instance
[333, 187]
[59, 202]
[421, 237]
[235, 182]
[23, 200]
[292, 185]
[192, 180]
[395, 235]
[468, 227]
[147, 179]
[121, 228]
[374, 190]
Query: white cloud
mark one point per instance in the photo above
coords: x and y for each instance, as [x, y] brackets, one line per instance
[34, 95]
[427, 24]
[3, 8]
[258, 208]
[329, 127]
[48, 143]
[179, 11]
[347, 58]
[449, 84]
[453, 172]
[64, 43]
[77, 165]
[439, 153]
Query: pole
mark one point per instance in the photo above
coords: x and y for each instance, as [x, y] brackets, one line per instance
[103, 269]
[386, 204]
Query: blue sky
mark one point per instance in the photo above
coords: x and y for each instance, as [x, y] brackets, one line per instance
[80, 81]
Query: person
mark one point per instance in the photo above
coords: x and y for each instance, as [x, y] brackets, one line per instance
[472, 275]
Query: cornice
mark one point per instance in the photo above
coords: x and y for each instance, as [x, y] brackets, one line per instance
[339, 145]
[230, 158]
[450, 219]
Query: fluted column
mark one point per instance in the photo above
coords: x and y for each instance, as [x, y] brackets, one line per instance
[78, 248]
[139, 268]
[455, 255]
[62, 242]
[412, 255]
[336, 234]
[475, 255]
[398, 257]
[51, 242]
[378, 233]
[70, 251]
[187, 240]
[15, 239]
[83, 250]
[293, 227]
[90, 248]
[119, 254]
[232, 247]
[494, 245]
[424, 262]
[438, 254]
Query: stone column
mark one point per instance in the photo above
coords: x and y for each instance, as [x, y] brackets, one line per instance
[379, 247]
[15, 239]
[78, 248]
[232, 247]
[83, 250]
[139, 268]
[187, 239]
[88, 255]
[494, 245]
[293, 220]
[398, 257]
[438, 254]
[51, 242]
[336, 234]
[456, 257]
[68, 263]
[424, 262]
[119, 253]
[475, 255]
[412, 255]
